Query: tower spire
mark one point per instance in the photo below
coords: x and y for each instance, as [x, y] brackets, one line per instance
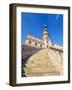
[45, 36]
[46, 39]
[45, 28]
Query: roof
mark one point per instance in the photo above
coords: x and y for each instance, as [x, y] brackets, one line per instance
[45, 28]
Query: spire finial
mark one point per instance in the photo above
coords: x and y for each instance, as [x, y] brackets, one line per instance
[45, 26]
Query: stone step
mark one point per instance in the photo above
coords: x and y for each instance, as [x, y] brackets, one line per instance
[41, 64]
[35, 64]
[40, 69]
[31, 74]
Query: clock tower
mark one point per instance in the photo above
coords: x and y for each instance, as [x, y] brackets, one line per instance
[46, 40]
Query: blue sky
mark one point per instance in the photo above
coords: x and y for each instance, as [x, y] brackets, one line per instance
[33, 23]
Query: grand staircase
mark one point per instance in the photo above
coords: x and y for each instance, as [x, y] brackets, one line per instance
[27, 52]
[43, 63]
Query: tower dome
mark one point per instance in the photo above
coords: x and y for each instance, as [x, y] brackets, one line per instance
[45, 30]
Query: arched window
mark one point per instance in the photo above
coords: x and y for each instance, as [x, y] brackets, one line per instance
[40, 45]
[35, 44]
[29, 42]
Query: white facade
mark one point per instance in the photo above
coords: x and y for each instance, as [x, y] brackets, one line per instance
[41, 43]
[34, 42]
[45, 42]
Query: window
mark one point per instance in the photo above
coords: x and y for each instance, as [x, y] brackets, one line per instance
[40, 45]
[35, 44]
[29, 42]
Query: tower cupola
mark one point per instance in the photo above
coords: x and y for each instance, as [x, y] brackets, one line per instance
[45, 36]
[46, 39]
